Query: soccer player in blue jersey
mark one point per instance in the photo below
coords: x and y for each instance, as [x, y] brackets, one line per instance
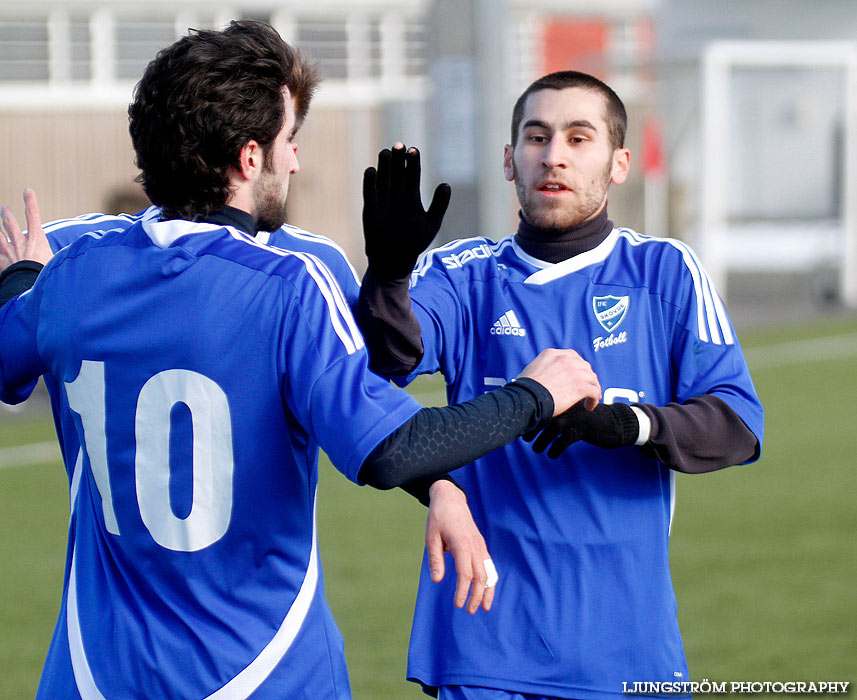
[579, 521]
[198, 372]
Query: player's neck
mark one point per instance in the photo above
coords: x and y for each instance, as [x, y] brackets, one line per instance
[555, 245]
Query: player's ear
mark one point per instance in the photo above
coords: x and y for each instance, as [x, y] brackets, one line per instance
[250, 159]
[621, 165]
[508, 168]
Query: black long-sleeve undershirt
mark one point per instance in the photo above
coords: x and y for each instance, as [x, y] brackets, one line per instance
[437, 440]
[703, 434]
[17, 278]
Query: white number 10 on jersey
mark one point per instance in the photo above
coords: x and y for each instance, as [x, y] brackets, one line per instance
[213, 460]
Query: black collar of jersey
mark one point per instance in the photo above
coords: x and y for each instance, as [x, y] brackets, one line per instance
[230, 216]
[555, 245]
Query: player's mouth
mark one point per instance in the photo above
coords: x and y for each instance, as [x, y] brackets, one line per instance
[552, 189]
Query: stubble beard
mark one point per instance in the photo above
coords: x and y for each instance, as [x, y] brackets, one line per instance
[546, 214]
[270, 203]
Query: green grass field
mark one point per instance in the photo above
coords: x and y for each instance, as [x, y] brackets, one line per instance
[764, 557]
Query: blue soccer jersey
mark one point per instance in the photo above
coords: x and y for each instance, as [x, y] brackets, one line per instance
[201, 371]
[63, 232]
[585, 601]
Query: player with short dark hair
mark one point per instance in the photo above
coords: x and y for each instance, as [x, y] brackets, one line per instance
[615, 114]
[581, 533]
[197, 373]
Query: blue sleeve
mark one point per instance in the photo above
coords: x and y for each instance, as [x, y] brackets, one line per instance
[706, 354]
[294, 239]
[344, 274]
[20, 363]
[63, 232]
[442, 318]
[343, 406]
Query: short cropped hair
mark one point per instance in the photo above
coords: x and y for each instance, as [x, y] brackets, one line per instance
[616, 117]
[201, 100]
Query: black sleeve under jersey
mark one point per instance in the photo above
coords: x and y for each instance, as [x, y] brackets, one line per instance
[17, 278]
[701, 435]
[391, 330]
[436, 440]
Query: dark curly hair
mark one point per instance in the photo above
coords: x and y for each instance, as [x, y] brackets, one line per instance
[200, 100]
[616, 117]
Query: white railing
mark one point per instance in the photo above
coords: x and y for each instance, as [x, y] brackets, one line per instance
[56, 55]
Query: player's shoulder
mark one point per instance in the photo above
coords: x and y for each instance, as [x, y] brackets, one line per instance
[227, 243]
[295, 236]
[62, 232]
[296, 239]
[463, 257]
[303, 272]
[668, 256]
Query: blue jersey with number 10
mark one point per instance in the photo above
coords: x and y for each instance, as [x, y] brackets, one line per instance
[584, 602]
[63, 232]
[201, 372]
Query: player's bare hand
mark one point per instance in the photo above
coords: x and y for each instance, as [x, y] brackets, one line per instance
[16, 245]
[395, 225]
[567, 376]
[450, 528]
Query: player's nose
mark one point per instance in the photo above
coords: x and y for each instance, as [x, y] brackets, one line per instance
[295, 167]
[555, 154]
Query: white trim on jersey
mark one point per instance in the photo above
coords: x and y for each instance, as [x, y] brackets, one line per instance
[164, 233]
[332, 292]
[712, 320]
[83, 678]
[526, 257]
[148, 214]
[74, 486]
[672, 501]
[426, 258]
[323, 240]
[248, 680]
[340, 313]
[553, 271]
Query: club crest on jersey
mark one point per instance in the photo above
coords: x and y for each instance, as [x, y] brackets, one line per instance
[610, 310]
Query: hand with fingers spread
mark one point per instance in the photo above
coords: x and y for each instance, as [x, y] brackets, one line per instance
[607, 425]
[567, 376]
[395, 225]
[450, 528]
[16, 246]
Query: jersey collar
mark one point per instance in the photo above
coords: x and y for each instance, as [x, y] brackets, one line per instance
[548, 272]
[164, 233]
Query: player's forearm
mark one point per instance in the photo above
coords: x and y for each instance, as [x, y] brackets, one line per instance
[17, 278]
[437, 440]
[390, 328]
[702, 435]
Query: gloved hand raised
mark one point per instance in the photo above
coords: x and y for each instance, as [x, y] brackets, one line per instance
[395, 225]
[607, 425]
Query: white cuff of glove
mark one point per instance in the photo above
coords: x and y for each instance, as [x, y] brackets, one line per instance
[645, 426]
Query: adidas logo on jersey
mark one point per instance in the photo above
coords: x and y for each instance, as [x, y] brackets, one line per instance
[508, 325]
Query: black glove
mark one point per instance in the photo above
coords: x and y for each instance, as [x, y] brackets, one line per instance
[395, 225]
[608, 425]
